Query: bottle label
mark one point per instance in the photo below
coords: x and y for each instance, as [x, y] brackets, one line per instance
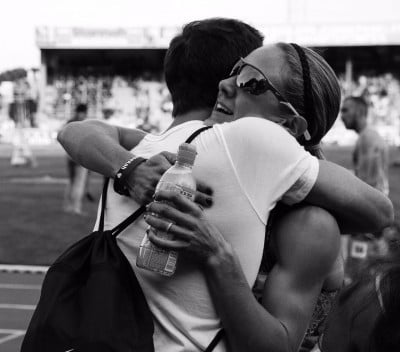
[185, 191]
[152, 257]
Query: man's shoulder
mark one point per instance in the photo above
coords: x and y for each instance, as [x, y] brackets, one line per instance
[370, 138]
[370, 135]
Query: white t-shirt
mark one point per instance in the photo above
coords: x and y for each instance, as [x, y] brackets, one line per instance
[250, 164]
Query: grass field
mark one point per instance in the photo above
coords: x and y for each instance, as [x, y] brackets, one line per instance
[35, 230]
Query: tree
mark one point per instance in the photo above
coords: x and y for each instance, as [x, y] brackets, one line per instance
[13, 75]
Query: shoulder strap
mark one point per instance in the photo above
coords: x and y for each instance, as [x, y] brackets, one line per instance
[217, 338]
[131, 218]
[196, 133]
[103, 204]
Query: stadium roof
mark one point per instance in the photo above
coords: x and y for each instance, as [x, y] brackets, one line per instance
[159, 37]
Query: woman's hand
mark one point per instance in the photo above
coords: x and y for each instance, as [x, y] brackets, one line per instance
[191, 230]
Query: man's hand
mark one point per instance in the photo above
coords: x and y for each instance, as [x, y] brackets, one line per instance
[143, 180]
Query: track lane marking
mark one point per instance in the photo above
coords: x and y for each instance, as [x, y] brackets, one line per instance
[11, 334]
[34, 269]
[20, 287]
[17, 306]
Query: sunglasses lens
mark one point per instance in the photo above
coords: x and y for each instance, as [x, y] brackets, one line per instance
[251, 81]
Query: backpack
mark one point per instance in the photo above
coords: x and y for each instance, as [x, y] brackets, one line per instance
[91, 299]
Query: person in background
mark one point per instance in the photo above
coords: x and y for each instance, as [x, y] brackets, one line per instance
[366, 316]
[23, 112]
[371, 153]
[371, 164]
[78, 176]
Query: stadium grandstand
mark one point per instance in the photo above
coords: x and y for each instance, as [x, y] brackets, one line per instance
[118, 72]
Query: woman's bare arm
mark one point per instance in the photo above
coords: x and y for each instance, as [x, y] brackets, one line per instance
[357, 206]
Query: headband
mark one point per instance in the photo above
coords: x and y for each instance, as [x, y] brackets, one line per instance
[307, 91]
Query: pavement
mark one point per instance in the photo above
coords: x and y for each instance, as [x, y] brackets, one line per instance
[19, 294]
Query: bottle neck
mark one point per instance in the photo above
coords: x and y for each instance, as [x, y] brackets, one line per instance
[183, 165]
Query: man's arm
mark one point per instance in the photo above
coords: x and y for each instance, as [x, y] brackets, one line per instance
[104, 149]
[98, 146]
[357, 206]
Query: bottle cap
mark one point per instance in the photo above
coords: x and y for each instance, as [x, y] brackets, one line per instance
[186, 154]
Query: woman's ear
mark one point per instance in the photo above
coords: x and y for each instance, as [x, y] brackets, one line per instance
[295, 124]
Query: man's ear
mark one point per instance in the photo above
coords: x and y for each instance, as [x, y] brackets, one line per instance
[296, 125]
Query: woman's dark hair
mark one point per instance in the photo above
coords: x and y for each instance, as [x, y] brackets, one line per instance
[385, 334]
[313, 89]
[203, 55]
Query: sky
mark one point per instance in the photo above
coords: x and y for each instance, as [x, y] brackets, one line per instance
[21, 17]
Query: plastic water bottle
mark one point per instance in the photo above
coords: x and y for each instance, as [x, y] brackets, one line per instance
[178, 178]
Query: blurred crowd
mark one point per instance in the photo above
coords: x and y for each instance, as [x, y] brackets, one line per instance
[143, 101]
[382, 92]
[133, 101]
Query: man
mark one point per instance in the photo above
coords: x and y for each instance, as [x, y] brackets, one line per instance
[78, 176]
[22, 111]
[371, 164]
[184, 315]
[370, 156]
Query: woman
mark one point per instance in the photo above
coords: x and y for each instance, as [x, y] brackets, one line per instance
[311, 87]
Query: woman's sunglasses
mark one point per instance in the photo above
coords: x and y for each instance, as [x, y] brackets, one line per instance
[253, 81]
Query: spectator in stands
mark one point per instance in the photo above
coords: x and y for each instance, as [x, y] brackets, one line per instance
[78, 176]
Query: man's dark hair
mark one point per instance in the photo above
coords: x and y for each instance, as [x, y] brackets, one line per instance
[203, 55]
[361, 104]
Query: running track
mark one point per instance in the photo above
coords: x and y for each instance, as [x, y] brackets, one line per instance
[19, 294]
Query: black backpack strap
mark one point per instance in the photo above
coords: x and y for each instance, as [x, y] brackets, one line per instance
[196, 133]
[217, 338]
[103, 204]
[131, 218]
